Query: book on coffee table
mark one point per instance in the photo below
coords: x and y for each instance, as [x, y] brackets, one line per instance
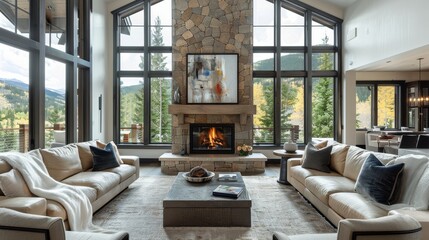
[230, 177]
[228, 191]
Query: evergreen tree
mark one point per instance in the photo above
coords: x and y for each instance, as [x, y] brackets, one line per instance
[323, 111]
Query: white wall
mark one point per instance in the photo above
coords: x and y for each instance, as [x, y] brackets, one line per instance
[385, 28]
[100, 79]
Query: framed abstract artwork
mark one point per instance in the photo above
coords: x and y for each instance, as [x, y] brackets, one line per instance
[212, 78]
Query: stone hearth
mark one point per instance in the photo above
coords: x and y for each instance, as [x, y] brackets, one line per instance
[252, 164]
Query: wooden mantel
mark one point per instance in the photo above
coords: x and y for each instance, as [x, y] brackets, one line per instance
[181, 109]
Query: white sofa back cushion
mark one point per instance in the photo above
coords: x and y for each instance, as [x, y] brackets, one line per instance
[356, 157]
[61, 162]
[413, 170]
[420, 199]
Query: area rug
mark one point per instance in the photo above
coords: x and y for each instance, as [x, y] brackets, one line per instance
[275, 207]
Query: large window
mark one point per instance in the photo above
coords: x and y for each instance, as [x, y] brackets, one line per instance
[378, 104]
[39, 67]
[143, 33]
[296, 65]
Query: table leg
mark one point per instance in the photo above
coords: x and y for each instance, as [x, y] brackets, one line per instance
[283, 172]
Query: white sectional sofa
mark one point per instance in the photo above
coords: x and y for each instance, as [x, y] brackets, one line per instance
[72, 164]
[334, 195]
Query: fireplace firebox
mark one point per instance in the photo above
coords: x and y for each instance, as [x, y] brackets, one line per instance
[210, 138]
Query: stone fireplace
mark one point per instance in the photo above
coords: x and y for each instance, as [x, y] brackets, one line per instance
[208, 138]
[205, 26]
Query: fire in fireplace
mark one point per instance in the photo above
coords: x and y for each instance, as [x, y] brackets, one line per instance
[212, 138]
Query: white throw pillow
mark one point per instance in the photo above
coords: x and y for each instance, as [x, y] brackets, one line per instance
[413, 170]
[13, 185]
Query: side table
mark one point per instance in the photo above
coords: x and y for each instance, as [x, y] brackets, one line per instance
[283, 164]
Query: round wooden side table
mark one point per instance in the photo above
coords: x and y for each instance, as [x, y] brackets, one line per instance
[283, 164]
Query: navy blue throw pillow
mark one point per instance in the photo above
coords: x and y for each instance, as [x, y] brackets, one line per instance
[318, 159]
[378, 181]
[103, 158]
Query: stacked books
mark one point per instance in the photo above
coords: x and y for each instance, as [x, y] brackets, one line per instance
[227, 191]
[232, 177]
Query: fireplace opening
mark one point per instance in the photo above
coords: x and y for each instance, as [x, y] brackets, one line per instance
[212, 138]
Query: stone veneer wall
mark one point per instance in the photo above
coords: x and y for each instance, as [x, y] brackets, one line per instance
[213, 26]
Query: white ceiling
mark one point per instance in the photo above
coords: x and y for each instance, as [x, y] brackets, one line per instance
[340, 3]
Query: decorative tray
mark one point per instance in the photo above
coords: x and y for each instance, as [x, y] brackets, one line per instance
[198, 179]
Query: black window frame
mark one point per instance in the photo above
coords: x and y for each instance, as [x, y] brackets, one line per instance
[309, 13]
[146, 74]
[78, 60]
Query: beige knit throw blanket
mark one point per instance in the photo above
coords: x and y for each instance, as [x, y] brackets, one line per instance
[35, 174]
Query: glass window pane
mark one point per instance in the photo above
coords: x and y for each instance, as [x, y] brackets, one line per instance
[23, 19]
[161, 36]
[263, 121]
[262, 9]
[292, 109]
[160, 119]
[161, 61]
[55, 102]
[135, 19]
[131, 61]
[131, 36]
[14, 80]
[323, 108]
[363, 107]
[263, 36]
[132, 110]
[292, 29]
[386, 106]
[263, 61]
[56, 24]
[321, 35]
[161, 10]
[15, 16]
[323, 61]
[292, 36]
[292, 61]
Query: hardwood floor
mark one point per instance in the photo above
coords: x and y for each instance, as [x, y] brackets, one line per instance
[154, 169]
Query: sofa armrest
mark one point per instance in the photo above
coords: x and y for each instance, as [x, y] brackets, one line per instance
[133, 161]
[421, 216]
[292, 162]
[32, 205]
[17, 225]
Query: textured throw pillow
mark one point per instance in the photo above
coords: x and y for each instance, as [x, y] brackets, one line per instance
[103, 158]
[13, 185]
[318, 159]
[115, 149]
[61, 162]
[378, 181]
[318, 145]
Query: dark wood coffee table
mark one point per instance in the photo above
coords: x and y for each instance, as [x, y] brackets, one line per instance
[192, 204]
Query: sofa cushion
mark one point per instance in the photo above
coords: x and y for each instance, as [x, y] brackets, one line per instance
[300, 173]
[115, 149]
[85, 154]
[338, 157]
[378, 181]
[414, 167]
[33, 205]
[323, 186]
[354, 205]
[90, 193]
[13, 185]
[55, 209]
[62, 162]
[124, 171]
[318, 159]
[101, 181]
[356, 157]
[420, 199]
[103, 158]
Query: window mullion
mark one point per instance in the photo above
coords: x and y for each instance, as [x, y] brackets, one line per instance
[277, 80]
[146, 79]
[308, 85]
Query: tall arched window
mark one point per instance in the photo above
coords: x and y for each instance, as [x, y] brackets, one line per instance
[142, 65]
[296, 72]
